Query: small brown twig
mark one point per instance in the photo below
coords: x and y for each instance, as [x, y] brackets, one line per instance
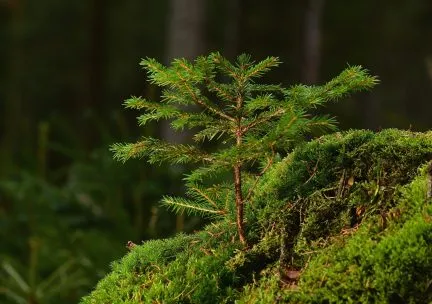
[313, 173]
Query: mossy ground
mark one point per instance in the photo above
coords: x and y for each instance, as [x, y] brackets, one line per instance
[343, 219]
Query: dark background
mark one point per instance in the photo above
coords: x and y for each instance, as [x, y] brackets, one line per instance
[66, 209]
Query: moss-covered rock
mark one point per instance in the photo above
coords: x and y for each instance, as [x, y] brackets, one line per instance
[344, 218]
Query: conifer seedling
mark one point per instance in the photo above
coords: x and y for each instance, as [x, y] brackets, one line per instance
[249, 120]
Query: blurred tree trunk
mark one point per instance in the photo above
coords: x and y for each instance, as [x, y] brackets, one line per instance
[312, 41]
[186, 29]
[14, 119]
[97, 52]
[428, 63]
[185, 38]
[232, 27]
[371, 108]
[93, 103]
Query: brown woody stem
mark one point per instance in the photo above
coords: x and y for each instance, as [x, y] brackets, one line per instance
[238, 192]
[239, 203]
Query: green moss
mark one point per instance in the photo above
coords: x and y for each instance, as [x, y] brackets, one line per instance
[183, 269]
[372, 265]
[346, 213]
[394, 265]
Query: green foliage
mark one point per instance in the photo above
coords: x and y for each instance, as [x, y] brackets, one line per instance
[249, 120]
[343, 218]
[53, 233]
[214, 200]
[64, 279]
[41, 257]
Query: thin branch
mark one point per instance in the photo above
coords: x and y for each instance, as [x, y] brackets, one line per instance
[218, 59]
[314, 171]
[262, 120]
[194, 207]
[202, 103]
[213, 85]
[205, 196]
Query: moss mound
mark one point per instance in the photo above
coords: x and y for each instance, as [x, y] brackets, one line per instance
[344, 218]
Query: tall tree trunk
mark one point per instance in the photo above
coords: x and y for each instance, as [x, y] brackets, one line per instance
[185, 29]
[184, 39]
[93, 104]
[312, 41]
[371, 108]
[97, 52]
[232, 27]
[13, 117]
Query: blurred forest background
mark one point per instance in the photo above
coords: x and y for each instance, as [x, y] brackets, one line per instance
[66, 208]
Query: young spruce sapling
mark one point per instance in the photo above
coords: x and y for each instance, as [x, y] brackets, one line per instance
[249, 120]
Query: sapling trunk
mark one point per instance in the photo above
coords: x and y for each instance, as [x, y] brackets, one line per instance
[237, 167]
[239, 203]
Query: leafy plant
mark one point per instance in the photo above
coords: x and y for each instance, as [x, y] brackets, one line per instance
[68, 276]
[250, 121]
[53, 232]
